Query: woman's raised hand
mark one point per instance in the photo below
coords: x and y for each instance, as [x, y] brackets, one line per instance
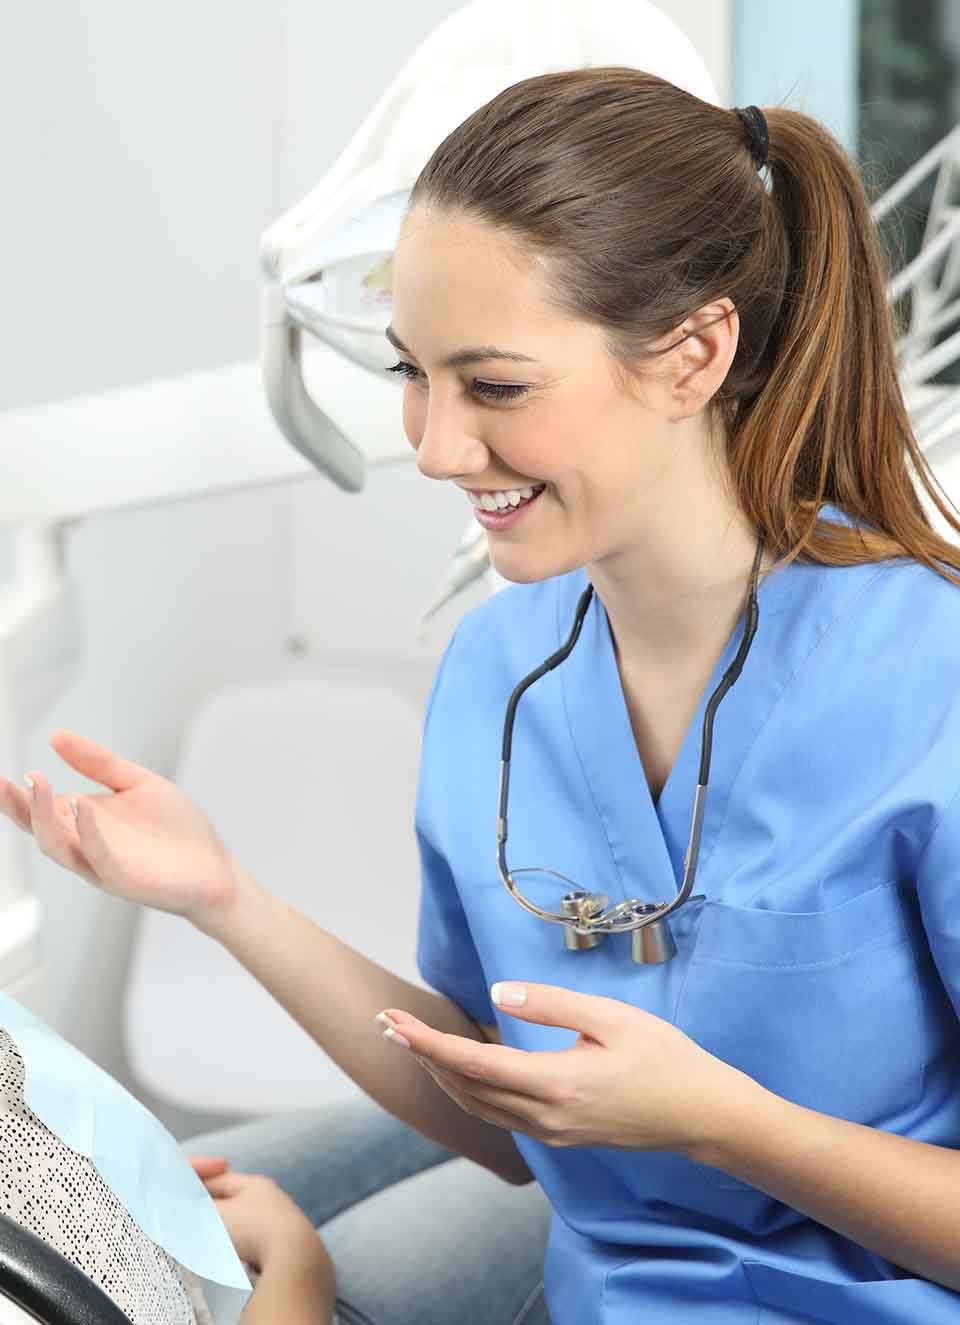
[144, 840]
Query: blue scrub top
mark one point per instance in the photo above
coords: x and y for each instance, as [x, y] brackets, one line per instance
[824, 962]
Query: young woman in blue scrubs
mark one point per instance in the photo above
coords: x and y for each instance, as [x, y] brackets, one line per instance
[661, 327]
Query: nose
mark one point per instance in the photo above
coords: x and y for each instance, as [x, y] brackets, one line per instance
[446, 450]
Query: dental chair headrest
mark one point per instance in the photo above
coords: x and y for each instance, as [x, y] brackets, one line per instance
[328, 259]
[475, 53]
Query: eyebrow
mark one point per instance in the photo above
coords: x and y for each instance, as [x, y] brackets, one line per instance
[475, 354]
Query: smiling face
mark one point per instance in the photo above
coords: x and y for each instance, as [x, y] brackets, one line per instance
[600, 450]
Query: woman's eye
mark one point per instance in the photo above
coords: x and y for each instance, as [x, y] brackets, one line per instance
[492, 390]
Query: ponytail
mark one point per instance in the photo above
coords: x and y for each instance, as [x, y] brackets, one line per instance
[830, 422]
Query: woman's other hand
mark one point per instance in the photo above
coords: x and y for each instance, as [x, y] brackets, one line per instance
[144, 840]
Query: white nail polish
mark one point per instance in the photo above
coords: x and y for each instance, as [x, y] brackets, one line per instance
[396, 1038]
[28, 781]
[508, 995]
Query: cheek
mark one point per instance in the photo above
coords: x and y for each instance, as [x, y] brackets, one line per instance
[413, 415]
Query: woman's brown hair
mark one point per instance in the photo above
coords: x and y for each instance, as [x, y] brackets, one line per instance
[644, 203]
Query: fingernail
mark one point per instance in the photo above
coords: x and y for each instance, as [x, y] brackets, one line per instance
[383, 1019]
[396, 1038]
[73, 806]
[29, 782]
[513, 996]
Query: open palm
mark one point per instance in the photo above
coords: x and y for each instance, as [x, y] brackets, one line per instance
[144, 840]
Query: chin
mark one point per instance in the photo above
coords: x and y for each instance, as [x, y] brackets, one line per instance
[523, 569]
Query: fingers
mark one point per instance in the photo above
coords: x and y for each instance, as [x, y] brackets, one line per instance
[15, 805]
[54, 827]
[97, 761]
[225, 1185]
[208, 1166]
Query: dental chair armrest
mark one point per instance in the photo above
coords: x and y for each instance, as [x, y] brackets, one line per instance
[47, 1285]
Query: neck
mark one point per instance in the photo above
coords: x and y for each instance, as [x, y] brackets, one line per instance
[674, 596]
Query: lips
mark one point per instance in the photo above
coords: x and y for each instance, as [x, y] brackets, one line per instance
[506, 517]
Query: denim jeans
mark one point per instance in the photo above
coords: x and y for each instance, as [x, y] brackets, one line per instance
[417, 1235]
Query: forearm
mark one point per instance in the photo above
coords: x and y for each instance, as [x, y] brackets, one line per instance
[334, 992]
[897, 1197]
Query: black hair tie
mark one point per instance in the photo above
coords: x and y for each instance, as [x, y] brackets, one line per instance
[758, 137]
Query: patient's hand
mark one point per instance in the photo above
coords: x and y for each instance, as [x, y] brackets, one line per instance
[275, 1239]
[263, 1222]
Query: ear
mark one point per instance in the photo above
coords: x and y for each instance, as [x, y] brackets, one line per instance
[706, 343]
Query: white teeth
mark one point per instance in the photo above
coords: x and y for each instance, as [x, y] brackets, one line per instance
[498, 501]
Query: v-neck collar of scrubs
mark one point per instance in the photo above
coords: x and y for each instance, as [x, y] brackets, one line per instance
[647, 840]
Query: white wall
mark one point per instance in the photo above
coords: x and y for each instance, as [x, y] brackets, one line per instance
[146, 148]
[708, 24]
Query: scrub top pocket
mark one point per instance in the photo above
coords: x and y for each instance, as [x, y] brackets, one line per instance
[822, 1008]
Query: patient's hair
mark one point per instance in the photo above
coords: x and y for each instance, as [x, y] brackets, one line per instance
[642, 203]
